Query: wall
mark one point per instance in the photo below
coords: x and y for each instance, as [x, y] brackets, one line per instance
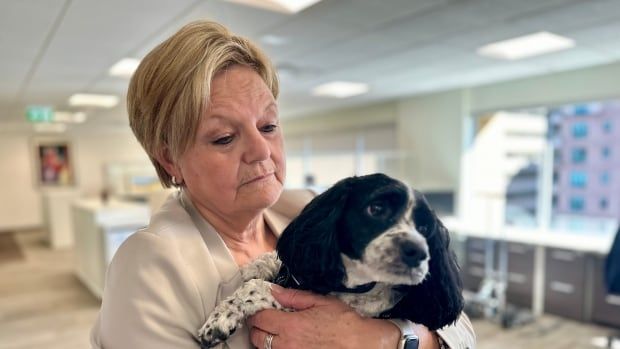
[341, 120]
[94, 151]
[430, 135]
[20, 201]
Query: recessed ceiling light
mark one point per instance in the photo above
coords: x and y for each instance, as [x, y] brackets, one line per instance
[273, 40]
[340, 89]
[285, 6]
[93, 100]
[526, 46]
[69, 117]
[125, 67]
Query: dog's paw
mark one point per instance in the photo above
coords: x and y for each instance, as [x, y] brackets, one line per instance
[265, 267]
[218, 328]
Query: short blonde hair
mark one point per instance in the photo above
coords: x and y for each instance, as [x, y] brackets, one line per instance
[169, 92]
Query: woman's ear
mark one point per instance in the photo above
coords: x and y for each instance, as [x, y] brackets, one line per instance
[165, 160]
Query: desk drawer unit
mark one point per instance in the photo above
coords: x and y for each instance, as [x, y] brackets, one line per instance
[475, 260]
[605, 306]
[564, 283]
[520, 274]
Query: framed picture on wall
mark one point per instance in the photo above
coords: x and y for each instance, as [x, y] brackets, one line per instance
[55, 166]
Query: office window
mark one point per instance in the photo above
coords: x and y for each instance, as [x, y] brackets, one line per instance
[325, 158]
[295, 174]
[580, 130]
[607, 126]
[577, 203]
[606, 152]
[579, 155]
[578, 179]
[605, 178]
[581, 110]
[603, 204]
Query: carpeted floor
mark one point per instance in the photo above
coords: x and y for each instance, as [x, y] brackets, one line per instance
[9, 249]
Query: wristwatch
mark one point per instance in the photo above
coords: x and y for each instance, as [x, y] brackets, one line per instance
[408, 338]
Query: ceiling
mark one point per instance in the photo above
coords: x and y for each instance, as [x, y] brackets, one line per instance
[52, 49]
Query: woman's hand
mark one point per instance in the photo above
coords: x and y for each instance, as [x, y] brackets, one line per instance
[318, 322]
[321, 322]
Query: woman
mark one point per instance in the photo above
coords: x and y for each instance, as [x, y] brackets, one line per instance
[203, 106]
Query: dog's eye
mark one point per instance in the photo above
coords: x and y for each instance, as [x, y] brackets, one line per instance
[378, 210]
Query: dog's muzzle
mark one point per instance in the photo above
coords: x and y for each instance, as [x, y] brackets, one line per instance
[412, 254]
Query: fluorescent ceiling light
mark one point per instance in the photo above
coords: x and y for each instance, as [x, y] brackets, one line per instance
[125, 67]
[526, 46]
[340, 89]
[284, 6]
[93, 100]
[50, 128]
[69, 117]
[273, 40]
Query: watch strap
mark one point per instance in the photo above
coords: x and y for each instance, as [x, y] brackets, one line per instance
[407, 333]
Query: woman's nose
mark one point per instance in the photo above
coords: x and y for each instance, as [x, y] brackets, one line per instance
[257, 147]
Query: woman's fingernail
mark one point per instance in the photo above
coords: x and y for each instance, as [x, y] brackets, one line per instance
[277, 289]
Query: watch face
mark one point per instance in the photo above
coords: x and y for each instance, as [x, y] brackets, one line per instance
[411, 342]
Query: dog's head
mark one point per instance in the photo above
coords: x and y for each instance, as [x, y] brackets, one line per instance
[371, 229]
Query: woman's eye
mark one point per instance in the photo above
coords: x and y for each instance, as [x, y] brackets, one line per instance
[377, 210]
[269, 128]
[223, 140]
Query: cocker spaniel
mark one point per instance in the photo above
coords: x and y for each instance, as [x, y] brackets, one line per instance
[371, 241]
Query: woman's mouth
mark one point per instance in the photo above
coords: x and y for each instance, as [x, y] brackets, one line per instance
[258, 179]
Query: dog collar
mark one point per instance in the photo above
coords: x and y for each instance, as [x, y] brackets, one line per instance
[283, 279]
[358, 289]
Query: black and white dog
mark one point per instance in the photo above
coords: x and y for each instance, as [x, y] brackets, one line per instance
[371, 241]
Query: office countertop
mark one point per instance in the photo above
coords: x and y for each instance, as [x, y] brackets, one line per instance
[594, 243]
[115, 213]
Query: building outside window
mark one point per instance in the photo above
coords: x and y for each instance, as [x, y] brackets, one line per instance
[577, 203]
[605, 152]
[579, 155]
[580, 130]
[605, 178]
[603, 204]
[578, 179]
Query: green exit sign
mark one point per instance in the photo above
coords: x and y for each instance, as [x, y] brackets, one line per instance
[40, 114]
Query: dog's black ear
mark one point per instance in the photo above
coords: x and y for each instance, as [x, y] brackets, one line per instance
[438, 300]
[309, 247]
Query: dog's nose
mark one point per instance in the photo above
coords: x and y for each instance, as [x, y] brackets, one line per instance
[411, 253]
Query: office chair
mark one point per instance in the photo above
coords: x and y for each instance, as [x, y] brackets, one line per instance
[612, 266]
[612, 278]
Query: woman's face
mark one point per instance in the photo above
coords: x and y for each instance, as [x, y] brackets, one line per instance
[237, 161]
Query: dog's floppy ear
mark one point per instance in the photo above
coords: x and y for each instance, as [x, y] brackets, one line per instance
[442, 290]
[309, 247]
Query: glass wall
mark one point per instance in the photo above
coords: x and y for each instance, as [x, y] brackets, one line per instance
[320, 160]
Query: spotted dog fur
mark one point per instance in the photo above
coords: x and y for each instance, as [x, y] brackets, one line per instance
[371, 241]
[254, 295]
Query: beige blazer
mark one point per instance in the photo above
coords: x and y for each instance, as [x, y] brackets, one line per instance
[165, 279]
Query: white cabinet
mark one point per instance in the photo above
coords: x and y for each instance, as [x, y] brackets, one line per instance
[57, 216]
[99, 230]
